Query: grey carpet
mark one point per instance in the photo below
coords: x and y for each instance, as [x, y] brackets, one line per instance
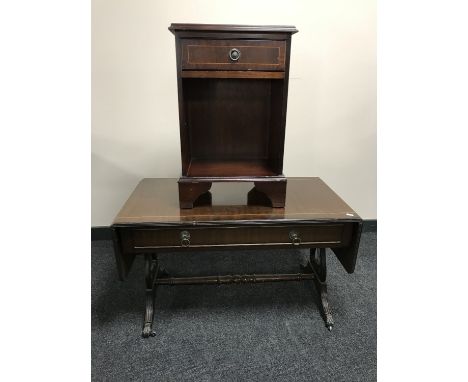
[250, 332]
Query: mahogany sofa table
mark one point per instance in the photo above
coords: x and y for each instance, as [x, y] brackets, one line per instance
[314, 217]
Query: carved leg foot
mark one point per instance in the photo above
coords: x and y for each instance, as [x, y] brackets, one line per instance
[268, 193]
[148, 325]
[326, 307]
[189, 193]
[148, 331]
[151, 272]
[318, 265]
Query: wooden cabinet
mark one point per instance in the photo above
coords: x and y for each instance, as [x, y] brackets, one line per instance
[232, 87]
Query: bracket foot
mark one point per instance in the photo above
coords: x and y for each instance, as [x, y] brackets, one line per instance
[194, 193]
[268, 193]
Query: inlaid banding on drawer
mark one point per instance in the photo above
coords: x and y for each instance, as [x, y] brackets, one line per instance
[215, 55]
[330, 235]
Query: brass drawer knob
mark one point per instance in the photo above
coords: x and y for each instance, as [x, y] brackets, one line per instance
[294, 237]
[234, 54]
[185, 239]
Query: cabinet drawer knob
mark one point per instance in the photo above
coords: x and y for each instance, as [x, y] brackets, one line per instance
[294, 237]
[185, 238]
[234, 54]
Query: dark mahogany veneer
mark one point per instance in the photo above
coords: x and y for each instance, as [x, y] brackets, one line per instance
[151, 221]
[313, 217]
[233, 89]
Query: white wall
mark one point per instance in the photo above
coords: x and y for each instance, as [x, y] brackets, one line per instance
[331, 120]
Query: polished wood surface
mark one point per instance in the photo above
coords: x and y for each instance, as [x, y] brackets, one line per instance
[279, 236]
[179, 27]
[232, 110]
[228, 119]
[227, 168]
[307, 199]
[313, 217]
[232, 74]
[214, 54]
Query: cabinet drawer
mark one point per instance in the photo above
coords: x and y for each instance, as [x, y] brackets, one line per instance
[325, 235]
[233, 55]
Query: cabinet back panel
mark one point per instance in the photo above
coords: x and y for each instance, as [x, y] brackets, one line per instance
[228, 119]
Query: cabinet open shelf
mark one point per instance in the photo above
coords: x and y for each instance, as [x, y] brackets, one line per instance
[229, 168]
[231, 74]
[232, 127]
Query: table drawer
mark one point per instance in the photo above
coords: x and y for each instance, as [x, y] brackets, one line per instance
[325, 235]
[233, 55]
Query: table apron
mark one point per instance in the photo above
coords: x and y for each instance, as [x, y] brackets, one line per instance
[140, 240]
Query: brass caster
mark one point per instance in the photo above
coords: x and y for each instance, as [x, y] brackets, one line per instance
[148, 332]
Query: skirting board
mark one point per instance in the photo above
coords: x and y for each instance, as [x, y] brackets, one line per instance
[101, 233]
[369, 225]
[105, 233]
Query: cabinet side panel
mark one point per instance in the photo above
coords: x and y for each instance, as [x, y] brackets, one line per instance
[183, 126]
[279, 102]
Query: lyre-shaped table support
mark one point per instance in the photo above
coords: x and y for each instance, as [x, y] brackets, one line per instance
[315, 269]
[151, 271]
[317, 264]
